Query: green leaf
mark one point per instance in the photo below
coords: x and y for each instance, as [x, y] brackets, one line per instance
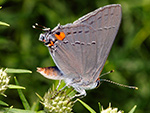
[3, 103]
[87, 106]
[35, 105]
[42, 111]
[39, 96]
[9, 70]
[22, 97]
[100, 108]
[4, 24]
[3, 94]
[133, 109]
[15, 110]
[11, 86]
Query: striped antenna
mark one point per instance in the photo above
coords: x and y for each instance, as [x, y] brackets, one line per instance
[112, 82]
[106, 73]
[40, 27]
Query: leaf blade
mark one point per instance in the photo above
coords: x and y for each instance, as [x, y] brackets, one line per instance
[22, 97]
[3, 103]
[11, 86]
[4, 24]
[86, 106]
[133, 109]
[15, 110]
[10, 70]
[100, 107]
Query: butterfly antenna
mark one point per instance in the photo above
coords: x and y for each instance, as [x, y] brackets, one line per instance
[106, 73]
[112, 82]
[40, 27]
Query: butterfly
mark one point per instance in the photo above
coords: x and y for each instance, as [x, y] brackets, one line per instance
[80, 49]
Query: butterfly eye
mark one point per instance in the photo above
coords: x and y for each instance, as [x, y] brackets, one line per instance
[60, 35]
[98, 83]
[43, 39]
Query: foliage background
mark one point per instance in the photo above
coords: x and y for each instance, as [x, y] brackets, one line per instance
[129, 57]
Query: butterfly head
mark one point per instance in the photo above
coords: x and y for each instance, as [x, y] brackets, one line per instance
[49, 38]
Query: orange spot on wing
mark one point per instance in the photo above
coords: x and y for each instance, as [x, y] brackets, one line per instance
[60, 35]
[51, 43]
[98, 78]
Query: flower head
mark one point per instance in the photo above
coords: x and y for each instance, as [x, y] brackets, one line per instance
[57, 101]
[111, 110]
[4, 81]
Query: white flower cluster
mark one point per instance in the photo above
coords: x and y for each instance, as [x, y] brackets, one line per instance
[4, 81]
[57, 103]
[111, 110]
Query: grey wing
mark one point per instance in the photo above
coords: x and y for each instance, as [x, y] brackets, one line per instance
[69, 53]
[105, 21]
[88, 41]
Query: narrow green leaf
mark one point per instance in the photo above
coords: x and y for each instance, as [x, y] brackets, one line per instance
[133, 109]
[42, 111]
[3, 103]
[4, 24]
[15, 110]
[35, 105]
[86, 106]
[100, 108]
[22, 97]
[9, 70]
[11, 86]
[39, 96]
[6, 110]
[3, 94]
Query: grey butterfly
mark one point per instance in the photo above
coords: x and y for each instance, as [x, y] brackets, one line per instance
[80, 49]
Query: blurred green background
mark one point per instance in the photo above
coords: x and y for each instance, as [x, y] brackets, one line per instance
[129, 57]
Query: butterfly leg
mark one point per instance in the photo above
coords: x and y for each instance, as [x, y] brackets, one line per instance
[62, 88]
[59, 92]
[81, 91]
[58, 85]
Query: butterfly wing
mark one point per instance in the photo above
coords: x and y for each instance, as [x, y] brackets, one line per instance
[83, 52]
[106, 22]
